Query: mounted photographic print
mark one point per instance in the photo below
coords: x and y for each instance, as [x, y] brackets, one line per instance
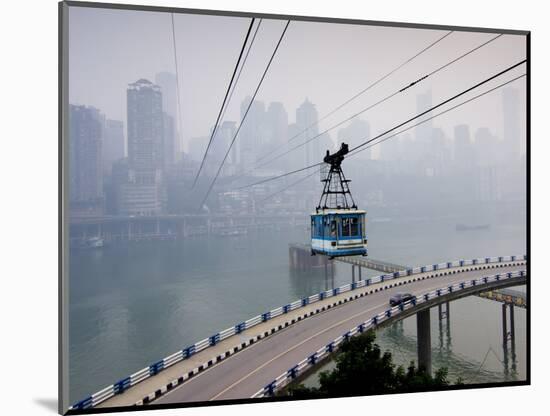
[263, 207]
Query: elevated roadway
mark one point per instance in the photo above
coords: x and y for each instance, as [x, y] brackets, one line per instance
[256, 366]
[239, 365]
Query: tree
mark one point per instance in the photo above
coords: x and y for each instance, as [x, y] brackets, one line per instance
[362, 369]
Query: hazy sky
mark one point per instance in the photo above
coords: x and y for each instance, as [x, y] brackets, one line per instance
[325, 62]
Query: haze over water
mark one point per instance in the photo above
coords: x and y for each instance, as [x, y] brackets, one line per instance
[135, 303]
[139, 129]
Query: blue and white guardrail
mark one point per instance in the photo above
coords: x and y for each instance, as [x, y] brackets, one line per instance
[293, 372]
[124, 384]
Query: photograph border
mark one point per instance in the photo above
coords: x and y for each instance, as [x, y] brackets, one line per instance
[63, 183]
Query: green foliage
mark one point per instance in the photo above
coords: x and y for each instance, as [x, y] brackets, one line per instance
[362, 369]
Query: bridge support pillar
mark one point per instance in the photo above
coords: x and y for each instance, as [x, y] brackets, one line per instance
[508, 336]
[424, 340]
[353, 273]
[513, 337]
[504, 328]
[332, 267]
[444, 315]
[360, 268]
[512, 326]
[326, 272]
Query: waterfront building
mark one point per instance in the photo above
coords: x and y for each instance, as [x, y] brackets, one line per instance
[140, 190]
[85, 154]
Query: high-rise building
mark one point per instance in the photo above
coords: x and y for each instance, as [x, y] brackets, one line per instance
[464, 155]
[113, 144]
[85, 149]
[168, 83]
[225, 134]
[218, 149]
[145, 126]
[488, 152]
[357, 132]
[439, 152]
[295, 158]
[511, 128]
[488, 184]
[169, 141]
[253, 132]
[141, 192]
[277, 125]
[197, 147]
[423, 132]
[306, 121]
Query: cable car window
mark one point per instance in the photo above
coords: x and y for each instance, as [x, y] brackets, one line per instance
[345, 227]
[354, 226]
[333, 228]
[319, 227]
[312, 227]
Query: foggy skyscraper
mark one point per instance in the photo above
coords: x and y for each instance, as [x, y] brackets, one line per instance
[218, 149]
[145, 126]
[86, 137]
[511, 129]
[423, 133]
[487, 147]
[252, 134]
[168, 141]
[277, 125]
[306, 115]
[113, 144]
[168, 84]
[225, 134]
[463, 147]
[141, 192]
[358, 131]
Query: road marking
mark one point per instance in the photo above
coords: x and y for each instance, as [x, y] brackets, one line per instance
[292, 348]
[461, 273]
[304, 341]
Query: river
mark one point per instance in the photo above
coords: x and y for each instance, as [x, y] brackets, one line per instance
[132, 304]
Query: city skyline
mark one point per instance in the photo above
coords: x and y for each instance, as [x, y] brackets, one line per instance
[325, 82]
[208, 188]
[351, 131]
[169, 117]
[150, 166]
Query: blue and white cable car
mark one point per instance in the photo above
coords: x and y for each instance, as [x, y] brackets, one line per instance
[337, 226]
[338, 232]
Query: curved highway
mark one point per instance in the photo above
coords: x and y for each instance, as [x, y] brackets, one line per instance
[242, 374]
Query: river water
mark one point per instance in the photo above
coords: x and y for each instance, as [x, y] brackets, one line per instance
[132, 304]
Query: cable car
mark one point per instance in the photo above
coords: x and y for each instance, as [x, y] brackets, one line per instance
[337, 225]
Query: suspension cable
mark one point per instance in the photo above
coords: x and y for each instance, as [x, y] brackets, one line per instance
[404, 130]
[214, 130]
[245, 114]
[179, 119]
[364, 90]
[397, 126]
[375, 104]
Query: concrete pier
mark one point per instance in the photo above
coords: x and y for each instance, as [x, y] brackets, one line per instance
[424, 340]
[509, 337]
[300, 258]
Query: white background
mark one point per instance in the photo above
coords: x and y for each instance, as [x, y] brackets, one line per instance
[28, 151]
